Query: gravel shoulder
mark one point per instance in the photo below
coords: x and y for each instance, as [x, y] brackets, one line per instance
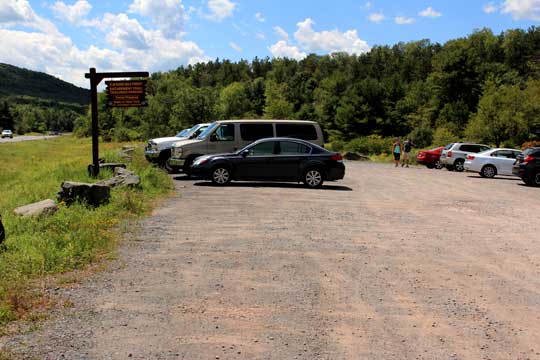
[387, 264]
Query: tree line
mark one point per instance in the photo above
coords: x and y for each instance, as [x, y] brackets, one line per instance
[483, 87]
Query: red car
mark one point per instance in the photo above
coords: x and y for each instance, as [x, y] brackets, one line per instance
[430, 158]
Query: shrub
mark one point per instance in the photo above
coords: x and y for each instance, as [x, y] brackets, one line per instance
[443, 136]
[373, 144]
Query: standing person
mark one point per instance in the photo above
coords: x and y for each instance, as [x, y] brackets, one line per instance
[407, 147]
[396, 149]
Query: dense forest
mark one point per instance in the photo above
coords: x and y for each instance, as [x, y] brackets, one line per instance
[484, 87]
[32, 101]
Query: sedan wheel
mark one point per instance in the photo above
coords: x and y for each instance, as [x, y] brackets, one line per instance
[537, 179]
[488, 171]
[313, 178]
[459, 166]
[221, 176]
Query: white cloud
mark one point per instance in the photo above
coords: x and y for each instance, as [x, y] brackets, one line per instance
[74, 14]
[400, 20]
[19, 12]
[133, 47]
[430, 12]
[260, 36]
[368, 5]
[281, 33]
[490, 8]
[123, 32]
[283, 50]
[168, 15]
[329, 41]
[260, 17]
[376, 17]
[220, 9]
[522, 9]
[235, 46]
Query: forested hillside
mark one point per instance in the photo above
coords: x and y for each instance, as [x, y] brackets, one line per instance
[34, 101]
[22, 82]
[484, 87]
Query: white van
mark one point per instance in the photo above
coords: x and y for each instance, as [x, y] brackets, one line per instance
[232, 135]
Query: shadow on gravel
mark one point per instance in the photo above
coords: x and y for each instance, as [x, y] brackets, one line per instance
[494, 179]
[276, 185]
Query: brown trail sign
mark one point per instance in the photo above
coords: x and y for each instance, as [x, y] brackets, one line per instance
[126, 93]
[130, 93]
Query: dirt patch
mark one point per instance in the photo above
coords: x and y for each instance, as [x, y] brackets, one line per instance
[389, 263]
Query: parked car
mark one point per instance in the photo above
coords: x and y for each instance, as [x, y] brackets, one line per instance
[273, 159]
[492, 162]
[527, 166]
[453, 155]
[430, 158]
[159, 150]
[230, 135]
[7, 134]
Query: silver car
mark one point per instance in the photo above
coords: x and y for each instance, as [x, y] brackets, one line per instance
[454, 155]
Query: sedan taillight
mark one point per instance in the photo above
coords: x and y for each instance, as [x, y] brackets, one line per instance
[336, 157]
[527, 159]
[470, 157]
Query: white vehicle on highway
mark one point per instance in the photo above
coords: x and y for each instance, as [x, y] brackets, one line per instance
[492, 162]
[159, 150]
[7, 134]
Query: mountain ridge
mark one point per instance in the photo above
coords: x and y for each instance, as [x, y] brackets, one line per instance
[17, 81]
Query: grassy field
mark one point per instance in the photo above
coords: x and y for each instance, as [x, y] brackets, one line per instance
[37, 249]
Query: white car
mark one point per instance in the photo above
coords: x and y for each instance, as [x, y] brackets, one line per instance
[7, 133]
[492, 162]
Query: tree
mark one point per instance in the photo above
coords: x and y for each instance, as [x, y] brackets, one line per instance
[500, 116]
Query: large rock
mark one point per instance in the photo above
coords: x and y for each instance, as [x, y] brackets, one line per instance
[91, 194]
[45, 207]
[122, 177]
[355, 156]
[111, 166]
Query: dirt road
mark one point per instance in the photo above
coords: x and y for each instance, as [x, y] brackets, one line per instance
[387, 264]
[27, 138]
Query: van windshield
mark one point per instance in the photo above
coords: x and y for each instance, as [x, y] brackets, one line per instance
[208, 131]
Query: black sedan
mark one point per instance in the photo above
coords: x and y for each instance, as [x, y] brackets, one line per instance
[527, 166]
[273, 159]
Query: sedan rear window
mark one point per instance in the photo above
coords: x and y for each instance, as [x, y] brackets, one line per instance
[293, 148]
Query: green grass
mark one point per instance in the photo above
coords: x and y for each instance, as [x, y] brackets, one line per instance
[73, 237]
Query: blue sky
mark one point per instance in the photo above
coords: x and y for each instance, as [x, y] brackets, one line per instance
[65, 38]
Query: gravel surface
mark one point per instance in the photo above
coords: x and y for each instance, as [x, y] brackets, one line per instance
[26, 138]
[387, 264]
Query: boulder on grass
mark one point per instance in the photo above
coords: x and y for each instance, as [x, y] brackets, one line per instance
[355, 156]
[111, 166]
[122, 177]
[45, 207]
[91, 194]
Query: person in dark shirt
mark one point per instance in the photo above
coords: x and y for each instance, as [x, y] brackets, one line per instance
[407, 147]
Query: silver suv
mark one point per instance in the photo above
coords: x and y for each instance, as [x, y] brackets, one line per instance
[454, 155]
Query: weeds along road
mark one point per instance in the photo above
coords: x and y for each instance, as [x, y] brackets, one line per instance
[387, 264]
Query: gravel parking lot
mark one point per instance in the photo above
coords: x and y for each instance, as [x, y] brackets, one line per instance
[387, 264]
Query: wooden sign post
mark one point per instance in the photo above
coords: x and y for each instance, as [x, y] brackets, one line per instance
[124, 94]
